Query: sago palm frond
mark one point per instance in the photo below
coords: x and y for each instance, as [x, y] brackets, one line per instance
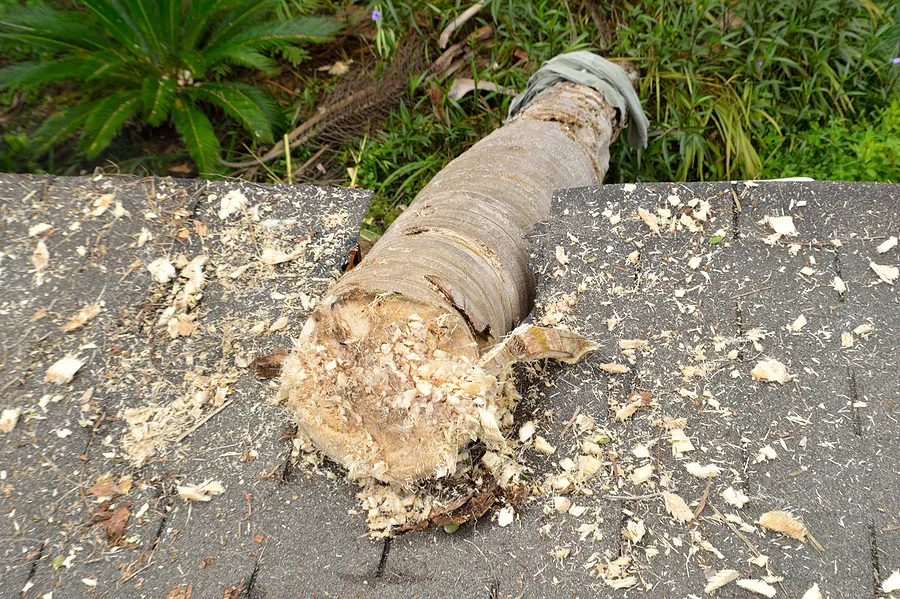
[234, 100]
[35, 73]
[49, 29]
[157, 97]
[198, 135]
[60, 126]
[107, 119]
[159, 59]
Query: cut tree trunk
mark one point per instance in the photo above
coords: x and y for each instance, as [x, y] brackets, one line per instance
[389, 379]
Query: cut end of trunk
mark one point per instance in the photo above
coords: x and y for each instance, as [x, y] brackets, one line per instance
[391, 388]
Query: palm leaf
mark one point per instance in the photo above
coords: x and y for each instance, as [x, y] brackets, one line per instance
[305, 29]
[117, 23]
[107, 119]
[202, 13]
[148, 16]
[33, 73]
[264, 102]
[237, 104]
[235, 18]
[245, 57]
[50, 29]
[60, 126]
[198, 134]
[171, 21]
[157, 95]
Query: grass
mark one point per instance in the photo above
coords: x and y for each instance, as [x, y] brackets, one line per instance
[733, 88]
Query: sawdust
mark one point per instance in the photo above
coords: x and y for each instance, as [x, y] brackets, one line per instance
[374, 403]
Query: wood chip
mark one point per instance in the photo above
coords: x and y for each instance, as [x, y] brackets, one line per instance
[39, 228]
[41, 256]
[720, 579]
[202, 492]
[865, 329]
[735, 497]
[279, 325]
[526, 431]
[892, 583]
[232, 202]
[273, 256]
[162, 270]
[785, 523]
[8, 419]
[798, 324]
[783, 225]
[770, 371]
[700, 471]
[886, 273]
[757, 586]
[677, 507]
[542, 445]
[642, 474]
[631, 344]
[651, 220]
[84, 315]
[765, 454]
[63, 370]
[615, 368]
[812, 593]
[846, 339]
[839, 285]
[886, 246]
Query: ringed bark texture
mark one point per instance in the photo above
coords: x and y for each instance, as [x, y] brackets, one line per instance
[461, 243]
[387, 379]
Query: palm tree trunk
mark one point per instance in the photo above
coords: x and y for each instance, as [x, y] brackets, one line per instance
[387, 379]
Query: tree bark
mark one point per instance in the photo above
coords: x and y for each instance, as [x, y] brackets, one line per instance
[387, 379]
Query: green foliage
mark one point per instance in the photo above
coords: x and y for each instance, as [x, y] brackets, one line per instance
[718, 76]
[864, 149]
[733, 88]
[159, 60]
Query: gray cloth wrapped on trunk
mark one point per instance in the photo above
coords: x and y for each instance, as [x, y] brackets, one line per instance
[593, 71]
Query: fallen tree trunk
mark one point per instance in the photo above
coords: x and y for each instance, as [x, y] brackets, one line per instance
[390, 377]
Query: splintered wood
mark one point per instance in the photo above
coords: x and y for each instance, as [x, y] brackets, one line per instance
[397, 402]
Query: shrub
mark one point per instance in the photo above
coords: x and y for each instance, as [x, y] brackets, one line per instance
[159, 60]
[865, 149]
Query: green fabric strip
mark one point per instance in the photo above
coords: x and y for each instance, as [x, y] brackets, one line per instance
[589, 69]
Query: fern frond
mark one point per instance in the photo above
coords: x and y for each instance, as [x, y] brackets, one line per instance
[157, 96]
[238, 105]
[293, 54]
[198, 135]
[107, 119]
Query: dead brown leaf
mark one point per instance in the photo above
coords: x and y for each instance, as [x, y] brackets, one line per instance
[111, 522]
[106, 486]
[182, 591]
[234, 592]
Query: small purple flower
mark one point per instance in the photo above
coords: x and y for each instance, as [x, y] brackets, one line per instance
[896, 60]
[376, 15]
[759, 62]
